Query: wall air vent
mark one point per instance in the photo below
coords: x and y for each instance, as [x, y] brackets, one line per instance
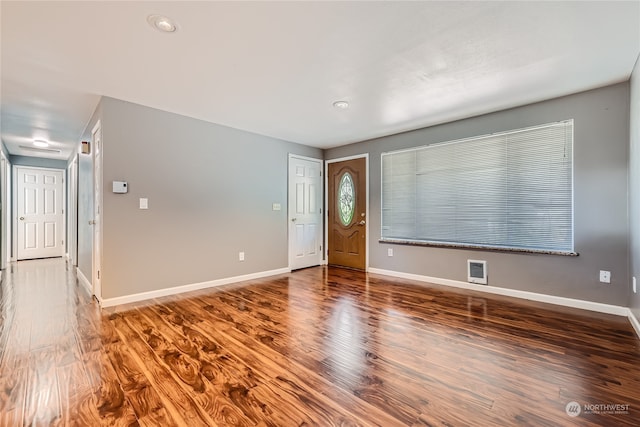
[477, 271]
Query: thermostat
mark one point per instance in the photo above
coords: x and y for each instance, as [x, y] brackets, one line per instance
[119, 187]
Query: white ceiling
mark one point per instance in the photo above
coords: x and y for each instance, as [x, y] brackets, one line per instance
[275, 68]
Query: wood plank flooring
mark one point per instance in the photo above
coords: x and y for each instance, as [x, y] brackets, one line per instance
[318, 347]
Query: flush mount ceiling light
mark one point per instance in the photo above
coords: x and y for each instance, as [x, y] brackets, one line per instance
[341, 105]
[162, 23]
[40, 143]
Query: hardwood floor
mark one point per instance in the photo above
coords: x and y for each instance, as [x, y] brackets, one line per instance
[321, 346]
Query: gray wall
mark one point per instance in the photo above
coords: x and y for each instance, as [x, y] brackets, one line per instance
[37, 162]
[634, 186]
[85, 201]
[601, 120]
[210, 191]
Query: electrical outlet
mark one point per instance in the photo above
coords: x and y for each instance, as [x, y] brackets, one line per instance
[240, 256]
[605, 276]
[635, 289]
[390, 252]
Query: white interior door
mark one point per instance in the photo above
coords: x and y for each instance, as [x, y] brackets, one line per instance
[40, 211]
[305, 212]
[97, 210]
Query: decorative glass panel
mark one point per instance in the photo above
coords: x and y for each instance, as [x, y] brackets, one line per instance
[346, 199]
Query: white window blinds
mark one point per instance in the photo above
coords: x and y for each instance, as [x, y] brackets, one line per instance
[511, 190]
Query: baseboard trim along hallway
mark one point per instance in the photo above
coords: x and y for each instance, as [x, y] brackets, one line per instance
[84, 281]
[109, 302]
[634, 322]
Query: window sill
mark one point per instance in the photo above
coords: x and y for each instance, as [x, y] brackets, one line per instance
[476, 247]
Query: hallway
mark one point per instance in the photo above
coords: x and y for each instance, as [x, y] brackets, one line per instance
[49, 343]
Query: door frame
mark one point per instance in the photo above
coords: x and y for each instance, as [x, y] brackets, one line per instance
[72, 211]
[96, 259]
[326, 205]
[14, 202]
[5, 218]
[323, 259]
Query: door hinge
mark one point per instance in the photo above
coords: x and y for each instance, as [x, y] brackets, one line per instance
[63, 242]
[98, 274]
[320, 248]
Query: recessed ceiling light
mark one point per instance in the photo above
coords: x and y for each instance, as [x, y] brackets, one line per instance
[162, 23]
[40, 143]
[341, 104]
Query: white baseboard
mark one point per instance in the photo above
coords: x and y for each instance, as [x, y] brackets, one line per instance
[568, 302]
[84, 281]
[109, 302]
[634, 322]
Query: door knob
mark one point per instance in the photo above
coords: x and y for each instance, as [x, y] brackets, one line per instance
[363, 222]
[294, 219]
[21, 218]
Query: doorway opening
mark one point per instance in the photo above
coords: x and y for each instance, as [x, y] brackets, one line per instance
[96, 138]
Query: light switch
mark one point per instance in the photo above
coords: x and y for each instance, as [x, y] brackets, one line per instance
[144, 203]
[276, 207]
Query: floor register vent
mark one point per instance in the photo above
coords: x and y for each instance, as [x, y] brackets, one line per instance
[477, 271]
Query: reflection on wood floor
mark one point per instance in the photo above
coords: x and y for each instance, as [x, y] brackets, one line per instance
[321, 346]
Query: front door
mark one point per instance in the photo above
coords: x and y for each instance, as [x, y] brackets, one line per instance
[40, 213]
[347, 182]
[305, 212]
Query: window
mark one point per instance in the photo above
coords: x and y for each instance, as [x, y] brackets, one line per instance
[512, 190]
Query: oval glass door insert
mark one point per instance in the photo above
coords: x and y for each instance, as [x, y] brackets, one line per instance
[346, 199]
